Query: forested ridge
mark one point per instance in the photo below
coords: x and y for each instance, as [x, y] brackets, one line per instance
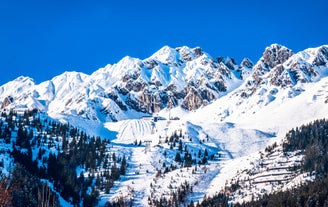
[78, 167]
[53, 160]
[45, 151]
[311, 140]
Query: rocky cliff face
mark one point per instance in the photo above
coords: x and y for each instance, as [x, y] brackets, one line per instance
[271, 61]
[278, 74]
[183, 76]
[170, 76]
[186, 77]
[275, 55]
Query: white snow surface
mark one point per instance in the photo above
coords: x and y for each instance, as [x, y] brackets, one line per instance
[235, 127]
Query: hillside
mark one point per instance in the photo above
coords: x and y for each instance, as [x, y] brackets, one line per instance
[167, 130]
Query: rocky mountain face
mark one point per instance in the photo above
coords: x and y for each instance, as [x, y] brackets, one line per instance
[183, 76]
[186, 77]
[277, 76]
[173, 76]
[239, 109]
[280, 68]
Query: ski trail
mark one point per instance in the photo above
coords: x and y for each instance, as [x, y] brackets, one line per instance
[133, 186]
[131, 130]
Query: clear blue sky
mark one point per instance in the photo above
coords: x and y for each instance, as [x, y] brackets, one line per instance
[44, 38]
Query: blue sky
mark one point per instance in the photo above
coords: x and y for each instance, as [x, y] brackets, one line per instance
[42, 39]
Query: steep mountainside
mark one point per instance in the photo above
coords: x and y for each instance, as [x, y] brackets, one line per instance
[278, 76]
[184, 77]
[187, 125]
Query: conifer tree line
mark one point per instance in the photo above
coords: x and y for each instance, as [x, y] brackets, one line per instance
[54, 151]
[184, 158]
[77, 165]
[311, 140]
[53, 158]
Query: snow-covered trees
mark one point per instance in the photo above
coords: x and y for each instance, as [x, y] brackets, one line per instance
[312, 139]
[46, 149]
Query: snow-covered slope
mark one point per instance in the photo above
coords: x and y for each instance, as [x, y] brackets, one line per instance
[203, 104]
[272, 85]
[171, 77]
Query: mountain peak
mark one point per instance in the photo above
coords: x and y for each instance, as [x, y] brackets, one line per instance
[246, 62]
[17, 86]
[275, 54]
[70, 76]
[178, 103]
[165, 55]
[174, 56]
[166, 77]
[322, 56]
[24, 79]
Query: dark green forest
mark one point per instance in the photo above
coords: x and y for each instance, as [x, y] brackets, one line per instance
[52, 151]
[312, 141]
[53, 159]
[77, 166]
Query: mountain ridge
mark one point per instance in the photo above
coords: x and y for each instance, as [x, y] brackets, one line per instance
[169, 76]
[172, 77]
[187, 124]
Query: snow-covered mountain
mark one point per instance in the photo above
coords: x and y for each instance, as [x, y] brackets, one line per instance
[230, 110]
[276, 78]
[183, 76]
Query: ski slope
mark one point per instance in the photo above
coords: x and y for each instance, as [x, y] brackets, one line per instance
[239, 140]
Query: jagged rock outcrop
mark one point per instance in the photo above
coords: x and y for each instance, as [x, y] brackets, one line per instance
[272, 56]
[166, 77]
[146, 102]
[322, 57]
[246, 63]
[6, 102]
[275, 54]
[171, 77]
[270, 64]
[193, 99]
[281, 73]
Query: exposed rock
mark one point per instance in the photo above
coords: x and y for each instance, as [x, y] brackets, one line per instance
[246, 63]
[193, 99]
[150, 63]
[146, 102]
[230, 63]
[271, 62]
[183, 76]
[107, 112]
[117, 100]
[272, 56]
[135, 86]
[275, 54]
[207, 95]
[145, 87]
[198, 52]
[220, 59]
[322, 57]
[7, 101]
[122, 90]
[281, 78]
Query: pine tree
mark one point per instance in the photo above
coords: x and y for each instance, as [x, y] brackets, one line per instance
[180, 145]
[178, 157]
[123, 166]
